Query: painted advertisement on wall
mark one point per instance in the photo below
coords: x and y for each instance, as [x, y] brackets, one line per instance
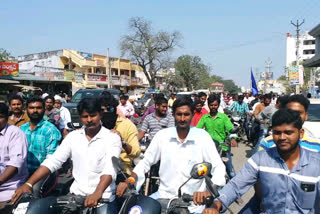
[294, 75]
[9, 69]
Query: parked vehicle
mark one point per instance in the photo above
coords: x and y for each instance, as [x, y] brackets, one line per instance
[84, 93]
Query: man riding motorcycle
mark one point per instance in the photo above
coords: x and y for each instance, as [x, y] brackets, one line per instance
[178, 149]
[91, 149]
[289, 173]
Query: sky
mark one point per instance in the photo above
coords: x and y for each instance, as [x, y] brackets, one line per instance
[232, 36]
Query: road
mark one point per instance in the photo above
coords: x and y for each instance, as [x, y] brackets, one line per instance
[240, 155]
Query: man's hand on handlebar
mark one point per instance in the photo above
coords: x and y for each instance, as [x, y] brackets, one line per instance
[199, 198]
[23, 189]
[92, 200]
[121, 188]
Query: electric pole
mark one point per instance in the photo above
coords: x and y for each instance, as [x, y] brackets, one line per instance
[268, 73]
[297, 25]
[108, 70]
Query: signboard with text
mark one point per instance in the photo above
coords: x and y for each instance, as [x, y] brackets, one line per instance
[9, 69]
[294, 75]
[97, 78]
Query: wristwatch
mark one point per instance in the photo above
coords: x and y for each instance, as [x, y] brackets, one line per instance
[124, 144]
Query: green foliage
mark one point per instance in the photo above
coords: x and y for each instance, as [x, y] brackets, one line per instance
[4, 55]
[197, 75]
[147, 48]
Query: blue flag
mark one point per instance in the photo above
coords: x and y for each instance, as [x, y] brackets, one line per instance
[253, 85]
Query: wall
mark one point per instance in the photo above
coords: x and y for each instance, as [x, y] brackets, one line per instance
[291, 48]
[28, 63]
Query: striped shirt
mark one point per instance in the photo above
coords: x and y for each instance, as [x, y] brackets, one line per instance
[284, 191]
[306, 142]
[43, 140]
[154, 125]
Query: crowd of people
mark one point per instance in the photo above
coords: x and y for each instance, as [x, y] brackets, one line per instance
[36, 141]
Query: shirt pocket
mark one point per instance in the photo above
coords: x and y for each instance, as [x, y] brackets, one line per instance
[97, 161]
[306, 198]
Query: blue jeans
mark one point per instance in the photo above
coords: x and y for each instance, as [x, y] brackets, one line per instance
[229, 166]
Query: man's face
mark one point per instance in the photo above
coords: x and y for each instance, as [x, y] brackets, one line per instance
[267, 102]
[123, 101]
[49, 104]
[162, 109]
[3, 121]
[199, 107]
[16, 106]
[295, 106]
[240, 100]
[286, 137]
[57, 104]
[183, 116]
[214, 107]
[35, 111]
[203, 99]
[91, 120]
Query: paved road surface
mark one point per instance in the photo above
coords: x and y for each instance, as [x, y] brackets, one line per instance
[240, 155]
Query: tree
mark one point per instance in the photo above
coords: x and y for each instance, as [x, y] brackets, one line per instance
[148, 49]
[174, 81]
[282, 78]
[230, 86]
[192, 70]
[4, 55]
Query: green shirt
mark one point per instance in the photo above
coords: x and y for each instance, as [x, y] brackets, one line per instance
[216, 127]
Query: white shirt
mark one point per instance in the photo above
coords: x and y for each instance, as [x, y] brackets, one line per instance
[65, 118]
[90, 160]
[127, 109]
[246, 100]
[177, 160]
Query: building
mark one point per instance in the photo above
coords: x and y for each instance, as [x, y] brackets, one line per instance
[306, 48]
[274, 86]
[69, 70]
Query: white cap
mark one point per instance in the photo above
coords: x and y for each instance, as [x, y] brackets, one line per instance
[44, 95]
[57, 97]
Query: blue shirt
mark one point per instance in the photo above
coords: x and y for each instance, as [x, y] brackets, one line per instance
[284, 190]
[43, 140]
[306, 142]
[240, 108]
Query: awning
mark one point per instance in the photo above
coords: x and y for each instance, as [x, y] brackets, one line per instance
[9, 81]
[313, 62]
[28, 87]
[28, 77]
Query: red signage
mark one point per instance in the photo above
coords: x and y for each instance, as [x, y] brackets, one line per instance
[9, 69]
[97, 78]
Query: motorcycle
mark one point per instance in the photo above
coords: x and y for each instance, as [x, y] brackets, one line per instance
[179, 204]
[224, 148]
[238, 121]
[68, 204]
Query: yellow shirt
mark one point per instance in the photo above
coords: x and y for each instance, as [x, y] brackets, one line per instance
[128, 133]
[170, 102]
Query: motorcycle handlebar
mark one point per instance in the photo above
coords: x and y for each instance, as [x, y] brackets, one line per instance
[187, 197]
[77, 199]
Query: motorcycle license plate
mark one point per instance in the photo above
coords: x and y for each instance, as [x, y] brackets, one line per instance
[21, 208]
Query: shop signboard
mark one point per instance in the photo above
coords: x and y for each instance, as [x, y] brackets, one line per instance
[69, 76]
[97, 78]
[9, 69]
[47, 75]
[100, 63]
[58, 76]
[86, 55]
[294, 75]
[115, 80]
[78, 77]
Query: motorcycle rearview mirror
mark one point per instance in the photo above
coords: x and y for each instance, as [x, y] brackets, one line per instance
[198, 171]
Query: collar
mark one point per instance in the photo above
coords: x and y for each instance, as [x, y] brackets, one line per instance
[38, 125]
[4, 130]
[191, 137]
[97, 136]
[209, 115]
[303, 160]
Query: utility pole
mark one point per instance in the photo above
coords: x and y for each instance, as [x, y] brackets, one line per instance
[269, 62]
[109, 70]
[297, 25]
